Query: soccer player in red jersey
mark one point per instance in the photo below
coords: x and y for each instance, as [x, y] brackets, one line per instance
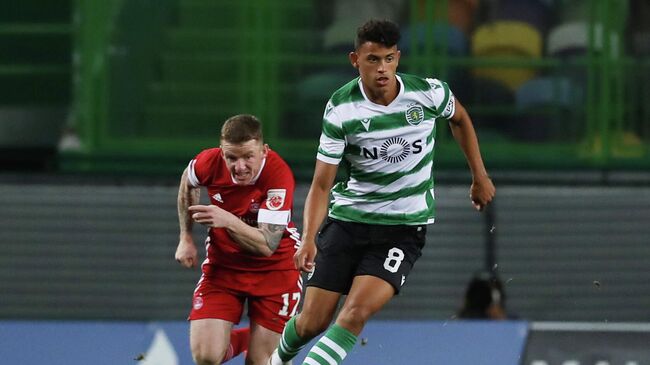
[250, 244]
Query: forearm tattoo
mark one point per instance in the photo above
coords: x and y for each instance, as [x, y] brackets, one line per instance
[186, 197]
[272, 234]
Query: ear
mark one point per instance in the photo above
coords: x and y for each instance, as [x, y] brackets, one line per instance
[265, 150]
[354, 59]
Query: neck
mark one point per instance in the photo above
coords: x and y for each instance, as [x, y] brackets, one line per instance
[383, 96]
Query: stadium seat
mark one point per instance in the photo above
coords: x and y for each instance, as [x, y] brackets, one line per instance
[546, 91]
[572, 39]
[457, 42]
[546, 104]
[457, 45]
[573, 10]
[35, 72]
[533, 12]
[508, 40]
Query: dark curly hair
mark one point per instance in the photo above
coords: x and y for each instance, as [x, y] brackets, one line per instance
[383, 32]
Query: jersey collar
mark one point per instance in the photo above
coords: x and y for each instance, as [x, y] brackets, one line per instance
[397, 97]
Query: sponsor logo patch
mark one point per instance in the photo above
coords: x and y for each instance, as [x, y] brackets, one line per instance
[395, 150]
[275, 198]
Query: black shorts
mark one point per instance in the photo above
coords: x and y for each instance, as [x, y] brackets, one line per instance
[347, 249]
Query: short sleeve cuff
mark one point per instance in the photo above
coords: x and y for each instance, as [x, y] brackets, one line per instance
[191, 174]
[327, 159]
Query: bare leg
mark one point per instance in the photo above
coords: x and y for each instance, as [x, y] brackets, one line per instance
[262, 343]
[209, 340]
[317, 312]
[367, 296]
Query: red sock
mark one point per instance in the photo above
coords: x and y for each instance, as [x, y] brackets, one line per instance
[238, 343]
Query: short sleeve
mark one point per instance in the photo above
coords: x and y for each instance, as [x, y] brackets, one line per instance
[332, 138]
[191, 174]
[199, 169]
[443, 99]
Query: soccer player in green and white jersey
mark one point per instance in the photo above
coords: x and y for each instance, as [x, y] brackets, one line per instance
[383, 124]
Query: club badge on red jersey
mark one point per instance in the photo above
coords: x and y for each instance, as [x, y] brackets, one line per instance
[198, 303]
[275, 198]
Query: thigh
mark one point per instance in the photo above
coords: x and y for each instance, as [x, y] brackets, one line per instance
[276, 299]
[367, 296]
[209, 338]
[336, 259]
[212, 301]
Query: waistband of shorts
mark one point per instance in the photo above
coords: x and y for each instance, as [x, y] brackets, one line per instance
[380, 227]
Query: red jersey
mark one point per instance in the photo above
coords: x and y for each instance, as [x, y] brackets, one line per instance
[268, 199]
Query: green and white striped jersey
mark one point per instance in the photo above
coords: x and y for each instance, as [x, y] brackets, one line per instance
[389, 150]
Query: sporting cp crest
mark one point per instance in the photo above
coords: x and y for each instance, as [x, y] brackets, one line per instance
[414, 114]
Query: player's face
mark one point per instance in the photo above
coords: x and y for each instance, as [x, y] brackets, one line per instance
[377, 66]
[244, 160]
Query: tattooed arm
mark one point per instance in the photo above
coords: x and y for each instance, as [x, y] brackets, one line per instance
[260, 241]
[271, 234]
[186, 253]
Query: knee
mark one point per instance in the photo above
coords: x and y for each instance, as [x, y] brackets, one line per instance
[310, 326]
[204, 355]
[354, 316]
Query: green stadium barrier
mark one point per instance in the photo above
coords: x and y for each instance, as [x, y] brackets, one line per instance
[157, 79]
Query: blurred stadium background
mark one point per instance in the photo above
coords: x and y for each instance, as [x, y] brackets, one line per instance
[102, 103]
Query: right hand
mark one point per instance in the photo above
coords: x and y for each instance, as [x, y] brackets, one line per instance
[304, 257]
[186, 253]
[481, 192]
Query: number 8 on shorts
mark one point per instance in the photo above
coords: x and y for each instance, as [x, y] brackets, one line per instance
[394, 259]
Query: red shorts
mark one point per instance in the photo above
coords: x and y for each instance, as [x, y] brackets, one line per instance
[273, 296]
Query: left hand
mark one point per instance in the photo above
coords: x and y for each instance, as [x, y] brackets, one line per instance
[210, 215]
[482, 192]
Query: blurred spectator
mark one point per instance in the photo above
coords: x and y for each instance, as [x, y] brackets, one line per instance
[458, 13]
[484, 298]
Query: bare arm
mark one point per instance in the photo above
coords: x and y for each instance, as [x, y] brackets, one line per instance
[186, 253]
[315, 211]
[260, 241]
[482, 190]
